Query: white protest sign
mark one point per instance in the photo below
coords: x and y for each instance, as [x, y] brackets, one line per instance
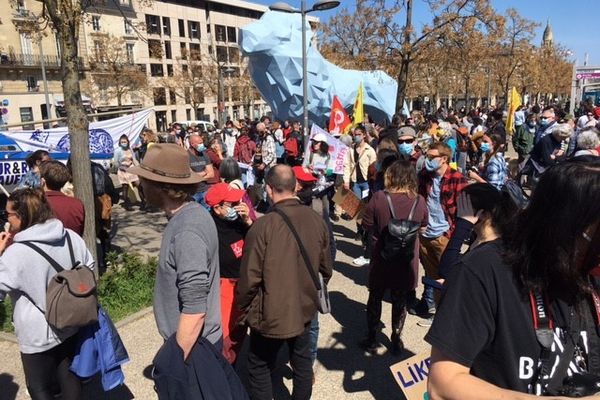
[337, 150]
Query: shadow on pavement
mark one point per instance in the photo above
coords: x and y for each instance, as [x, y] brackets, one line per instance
[92, 390]
[362, 372]
[8, 387]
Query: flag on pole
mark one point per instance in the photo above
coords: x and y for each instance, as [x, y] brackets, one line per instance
[339, 120]
[359, 113]
[515, 102]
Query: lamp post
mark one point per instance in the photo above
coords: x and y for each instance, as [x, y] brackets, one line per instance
[320, 5]
[221, 94]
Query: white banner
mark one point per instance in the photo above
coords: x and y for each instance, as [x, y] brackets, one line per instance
[104, 135]
[337, 150]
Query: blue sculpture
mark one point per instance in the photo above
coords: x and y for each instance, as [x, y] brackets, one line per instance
[273, 46]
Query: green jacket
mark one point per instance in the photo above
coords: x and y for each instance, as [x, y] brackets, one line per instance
[523, 140]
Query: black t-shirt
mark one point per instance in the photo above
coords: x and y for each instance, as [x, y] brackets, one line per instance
[484, 322]
[360, 178]
[198, 163]
[231, 242]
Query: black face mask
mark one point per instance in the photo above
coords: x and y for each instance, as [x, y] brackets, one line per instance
[305, 196]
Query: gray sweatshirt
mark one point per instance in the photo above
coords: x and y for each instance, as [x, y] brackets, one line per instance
[23, 271]
[187, 279]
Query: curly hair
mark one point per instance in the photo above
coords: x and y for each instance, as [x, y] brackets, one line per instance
[401, 177]
[588, 139]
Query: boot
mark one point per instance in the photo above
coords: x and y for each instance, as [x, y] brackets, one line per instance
[397, 344]
[369, 344]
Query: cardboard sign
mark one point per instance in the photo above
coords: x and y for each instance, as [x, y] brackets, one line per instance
[348, 202]
[411, 375]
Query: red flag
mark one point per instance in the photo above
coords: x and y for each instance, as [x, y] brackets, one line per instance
[339, 119]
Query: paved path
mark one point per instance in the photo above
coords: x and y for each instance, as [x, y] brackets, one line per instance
[343, 371]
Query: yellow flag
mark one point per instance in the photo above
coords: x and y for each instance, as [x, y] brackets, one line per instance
[515, 102]
[359, 113]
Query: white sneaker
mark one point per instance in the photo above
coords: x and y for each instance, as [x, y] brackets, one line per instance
[361, 261]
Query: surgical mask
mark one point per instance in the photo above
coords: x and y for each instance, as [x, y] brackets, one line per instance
[544, 122]
[485, 147]
[123, 146]
[357, 139]
[231, 215]
[531, 124]
[200, 148]
[406, 148]
[229, 130]
[432, 165]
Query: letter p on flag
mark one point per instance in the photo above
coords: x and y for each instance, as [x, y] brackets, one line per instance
[339, 120]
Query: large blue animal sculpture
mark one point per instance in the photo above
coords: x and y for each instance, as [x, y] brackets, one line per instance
[273, 46]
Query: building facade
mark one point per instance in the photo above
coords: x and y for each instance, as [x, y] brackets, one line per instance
[178, 57]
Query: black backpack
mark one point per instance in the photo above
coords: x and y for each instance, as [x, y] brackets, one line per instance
[399, 240]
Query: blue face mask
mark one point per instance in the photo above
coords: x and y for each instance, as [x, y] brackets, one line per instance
[357, 139]
[544, 122]
[123, 146]
[432, 165]
[200, 148]
[231, 215]
[485, 147]
[406, 148]
[531, 124]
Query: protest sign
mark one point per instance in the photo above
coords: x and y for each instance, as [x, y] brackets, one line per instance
[337, 150]
[411, 375]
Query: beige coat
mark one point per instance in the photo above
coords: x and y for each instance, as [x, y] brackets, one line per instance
[366, 157]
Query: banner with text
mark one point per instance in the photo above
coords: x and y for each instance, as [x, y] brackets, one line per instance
[411, 375]
[337, 150]
[104, 135]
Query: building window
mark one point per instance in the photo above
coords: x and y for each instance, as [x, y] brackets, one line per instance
[169, 70]
[172, 97]
[207, 28]
[183, 51]
[173, 115]
[184, 68]
[168, 54]
[198, 95]
[188, 114]
[181, 27]
[166, 26]
[195, 51]
[187, 95]
[96, 22]
[156, 70]
[98, 51]
[127, 26]
[234, 55]
[222, 54]
[153, 24]
[154, 49]
[129, 49]
[236, 112]
[231, 34]
[32, 85]
[220, 33]
[126, 3]
[160, 96]
[194, 28]
[26, 116]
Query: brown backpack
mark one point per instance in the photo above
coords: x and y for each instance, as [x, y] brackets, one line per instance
[71, 298]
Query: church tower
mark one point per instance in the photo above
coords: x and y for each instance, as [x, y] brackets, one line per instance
[548, 37]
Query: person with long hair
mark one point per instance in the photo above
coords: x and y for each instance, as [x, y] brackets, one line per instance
[495, 167]
[518, 318]
[399, 276]
[123, 159]
[46, 353]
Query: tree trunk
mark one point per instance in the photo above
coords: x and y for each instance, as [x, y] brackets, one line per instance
[467, 94]
[406, 58]
[78, 131]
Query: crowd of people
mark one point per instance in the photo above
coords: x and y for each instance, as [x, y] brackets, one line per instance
[249, 248]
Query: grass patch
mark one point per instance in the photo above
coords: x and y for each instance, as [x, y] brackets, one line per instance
[125, 288]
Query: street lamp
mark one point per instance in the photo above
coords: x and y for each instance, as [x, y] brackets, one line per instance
[221, 100]
[320, 5]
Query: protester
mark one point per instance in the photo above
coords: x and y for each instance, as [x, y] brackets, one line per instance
[24, 274]
[318, 157]
[495, 168]
[440, 185]
[551, 149]
[407, 137]
[232, 175]
[360, 156]
[523, 138]
[264, 286]
[294, 145]
[588, 142]
[31, 179]
[244, 148]
[546, 123]
[230, 136]
[279, 141]
[398, 275]
[201, 165]
[186, 293]
[123, 160]
[68, 210]
[537, 284]
[232, 219]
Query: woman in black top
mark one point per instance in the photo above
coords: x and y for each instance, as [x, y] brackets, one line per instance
[517, 316]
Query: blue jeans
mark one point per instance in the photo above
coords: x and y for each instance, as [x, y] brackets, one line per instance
[314, 337]
[359, 188]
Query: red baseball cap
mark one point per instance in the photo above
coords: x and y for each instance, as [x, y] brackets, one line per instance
[303, 175]
[221, 192]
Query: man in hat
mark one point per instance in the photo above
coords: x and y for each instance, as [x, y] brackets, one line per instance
[186, 292]
[232, 219]
[407, 138]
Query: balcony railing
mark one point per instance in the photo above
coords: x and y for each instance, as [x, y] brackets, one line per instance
[30, 60]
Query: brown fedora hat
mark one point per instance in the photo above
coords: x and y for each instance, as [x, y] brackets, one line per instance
[167, 163]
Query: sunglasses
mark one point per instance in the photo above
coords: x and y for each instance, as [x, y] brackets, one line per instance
[409, 141]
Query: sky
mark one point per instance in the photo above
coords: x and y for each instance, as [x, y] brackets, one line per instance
[572, 21]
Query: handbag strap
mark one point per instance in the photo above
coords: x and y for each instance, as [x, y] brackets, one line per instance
[52, 261]
[307, 262]
[412, 210]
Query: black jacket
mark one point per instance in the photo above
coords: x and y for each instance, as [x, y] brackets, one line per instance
[205, 375]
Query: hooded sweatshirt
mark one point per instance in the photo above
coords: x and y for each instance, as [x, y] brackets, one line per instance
[24, 274]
